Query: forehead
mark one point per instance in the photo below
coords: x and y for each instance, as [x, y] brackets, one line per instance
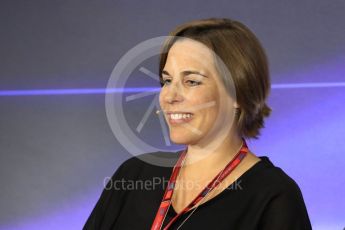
[187, 53]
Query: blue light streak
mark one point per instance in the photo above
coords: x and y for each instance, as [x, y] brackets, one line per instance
[76, 91]
[39, 92]
[308, 85]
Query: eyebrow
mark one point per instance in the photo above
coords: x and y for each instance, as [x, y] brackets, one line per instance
[185, 73]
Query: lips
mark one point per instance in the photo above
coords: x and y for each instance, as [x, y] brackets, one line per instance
[179, 117]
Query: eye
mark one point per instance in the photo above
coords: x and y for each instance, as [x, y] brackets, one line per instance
[194, 83]
[190, 82]
[165, 81]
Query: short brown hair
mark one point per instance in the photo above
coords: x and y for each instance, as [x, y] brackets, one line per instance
[243, 55]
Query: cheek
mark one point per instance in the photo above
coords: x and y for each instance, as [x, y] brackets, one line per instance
[209, 96]
[211, 105]
[210, 112]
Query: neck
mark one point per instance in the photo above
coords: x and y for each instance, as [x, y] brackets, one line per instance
[201, 162]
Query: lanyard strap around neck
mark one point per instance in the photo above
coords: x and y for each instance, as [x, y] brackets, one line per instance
[166, 201]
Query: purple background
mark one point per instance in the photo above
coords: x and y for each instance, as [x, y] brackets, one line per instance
[57, 149]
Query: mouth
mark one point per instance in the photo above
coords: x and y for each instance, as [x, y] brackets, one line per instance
[176, 118]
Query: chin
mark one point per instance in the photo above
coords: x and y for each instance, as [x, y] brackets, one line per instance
[183, 139]
[179, 141]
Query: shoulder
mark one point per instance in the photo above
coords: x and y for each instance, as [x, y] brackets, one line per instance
[281, 201]
[284, 204]
[118, 187]
[268, 182]
[273, 178]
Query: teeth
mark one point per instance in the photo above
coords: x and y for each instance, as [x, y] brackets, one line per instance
[180, 116]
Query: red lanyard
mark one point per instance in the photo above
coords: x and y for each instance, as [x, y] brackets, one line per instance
[166, 201]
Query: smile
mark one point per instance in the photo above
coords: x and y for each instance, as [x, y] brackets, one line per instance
[179, 118]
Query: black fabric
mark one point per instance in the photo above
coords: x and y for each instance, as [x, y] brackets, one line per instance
[266, 198]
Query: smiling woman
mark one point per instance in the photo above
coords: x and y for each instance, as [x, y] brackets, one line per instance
[215, 82]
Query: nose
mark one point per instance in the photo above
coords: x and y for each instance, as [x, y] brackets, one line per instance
[173, 93]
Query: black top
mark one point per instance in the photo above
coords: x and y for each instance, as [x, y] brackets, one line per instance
[263, 198]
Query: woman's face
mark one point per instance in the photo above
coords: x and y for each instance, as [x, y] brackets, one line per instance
[191, 93]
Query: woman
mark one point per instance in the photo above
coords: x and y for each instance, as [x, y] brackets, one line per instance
[215, 82]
